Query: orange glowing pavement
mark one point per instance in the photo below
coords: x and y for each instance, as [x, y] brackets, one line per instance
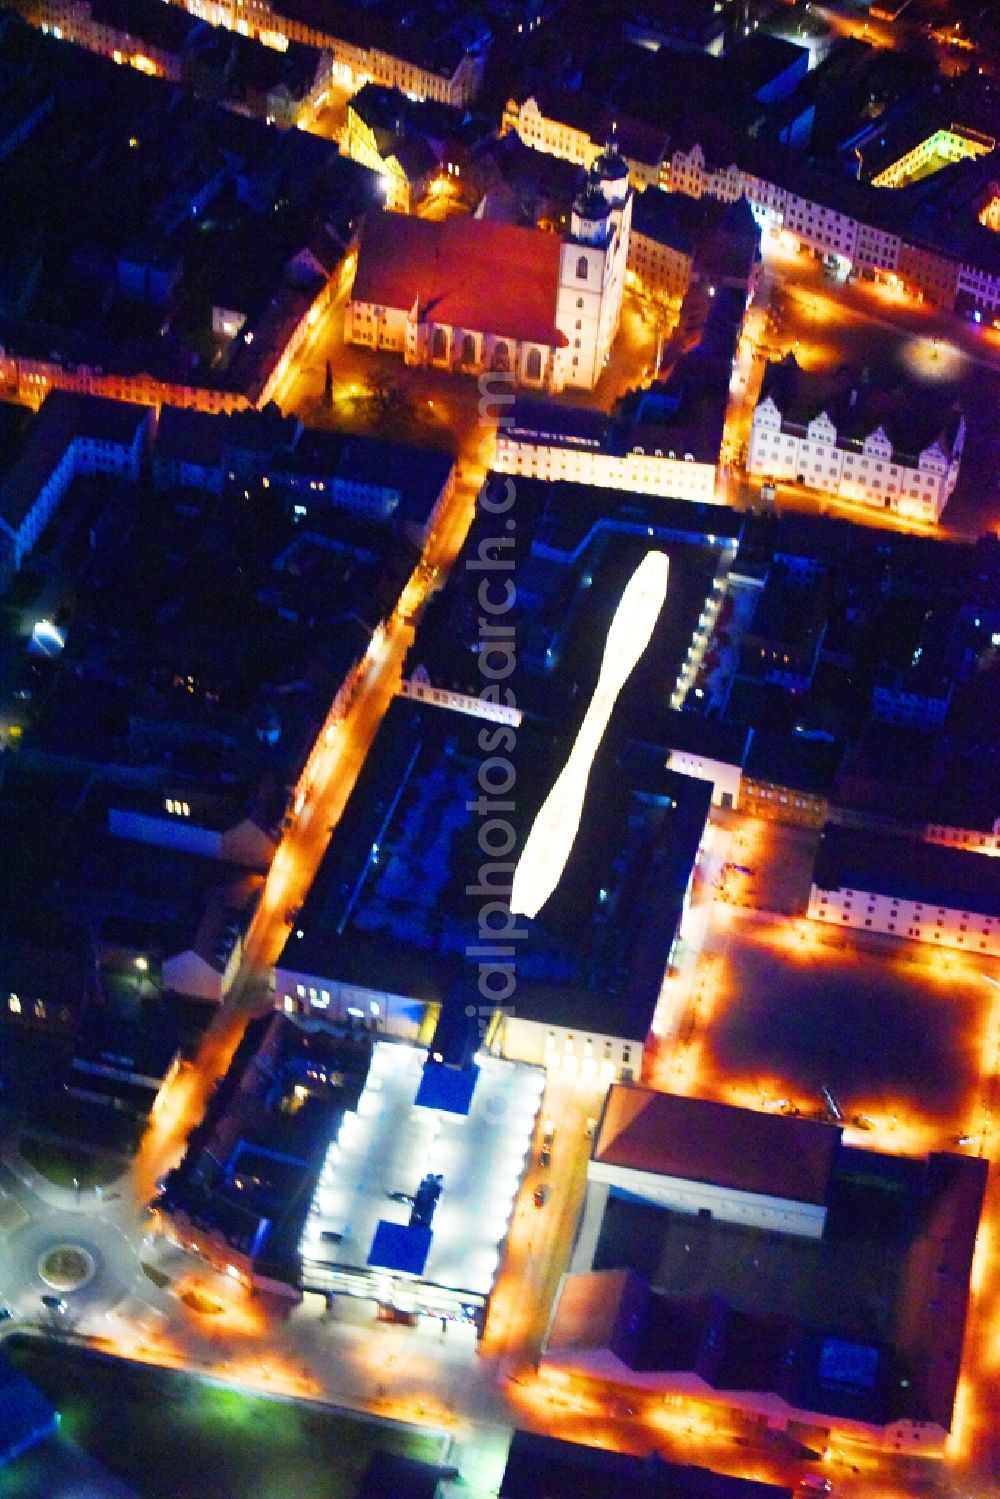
[333, 767]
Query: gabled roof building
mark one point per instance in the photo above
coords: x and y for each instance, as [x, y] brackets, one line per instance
[755, 1261]
[860, 439]
[469, 294]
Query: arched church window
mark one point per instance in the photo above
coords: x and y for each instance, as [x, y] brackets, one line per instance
[533, 365]
[581, 268]
[468, 349]
[501, 357]
[439, 344]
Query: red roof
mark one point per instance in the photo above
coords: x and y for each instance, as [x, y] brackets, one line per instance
[473, 274]
[699, 1140]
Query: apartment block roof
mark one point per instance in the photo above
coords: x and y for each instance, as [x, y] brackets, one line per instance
[63, 416]
[403, 923]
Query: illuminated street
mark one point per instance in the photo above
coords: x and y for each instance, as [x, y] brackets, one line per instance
[908, 1041]
[464, 976]
[732, 1035]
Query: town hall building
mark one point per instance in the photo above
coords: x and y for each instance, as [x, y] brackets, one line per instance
[472, 295]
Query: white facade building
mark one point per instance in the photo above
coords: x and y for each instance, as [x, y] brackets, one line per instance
[592, 270]
[919, 891]
[835, 218]
[571, 1051]
[807, 432]
[644, 464]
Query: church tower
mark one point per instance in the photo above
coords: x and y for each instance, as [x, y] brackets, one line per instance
[592, 269]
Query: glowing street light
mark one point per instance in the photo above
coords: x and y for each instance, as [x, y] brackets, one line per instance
[548, 845]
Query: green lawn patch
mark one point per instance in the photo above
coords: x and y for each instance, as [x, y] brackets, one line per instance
[65, 1166]
[172, 1436]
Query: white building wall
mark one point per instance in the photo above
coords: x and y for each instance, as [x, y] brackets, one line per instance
[301, 993]
[822, 228]
[755, 1210]
[975, 840]
[725, 778]
[460, 702]
[551, 136]
[82, 455]
[652, 472]
[571, 1053]
[248, 845]
[868, 476]
[915, 921]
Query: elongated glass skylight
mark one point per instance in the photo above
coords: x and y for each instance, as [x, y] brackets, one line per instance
[548, 845]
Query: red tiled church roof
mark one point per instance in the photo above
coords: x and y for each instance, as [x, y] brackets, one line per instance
[469, 273]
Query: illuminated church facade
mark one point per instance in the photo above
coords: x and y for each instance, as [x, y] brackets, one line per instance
[471, 295]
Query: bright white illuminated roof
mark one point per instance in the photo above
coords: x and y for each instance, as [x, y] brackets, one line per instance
[389, 1145]
[548, 845]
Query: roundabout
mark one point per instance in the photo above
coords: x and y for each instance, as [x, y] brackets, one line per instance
[67, 1267]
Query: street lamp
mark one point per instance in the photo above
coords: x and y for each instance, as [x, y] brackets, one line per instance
[141, 965]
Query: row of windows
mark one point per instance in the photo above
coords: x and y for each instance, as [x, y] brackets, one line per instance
[38, 1009]
[916, 932]
[938, 919]
[957, 835]
[690, 172]
[588, 1047]
[320, 999]
[561, 466]
[769, 794]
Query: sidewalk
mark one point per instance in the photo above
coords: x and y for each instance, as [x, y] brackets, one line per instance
[63, 1198]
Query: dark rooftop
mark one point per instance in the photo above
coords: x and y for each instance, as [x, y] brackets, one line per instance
[857, 406]
[849, 859]
[63, 416]
[251, 1165]
[863, 1322]
[390, 909]
[544, 1467]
